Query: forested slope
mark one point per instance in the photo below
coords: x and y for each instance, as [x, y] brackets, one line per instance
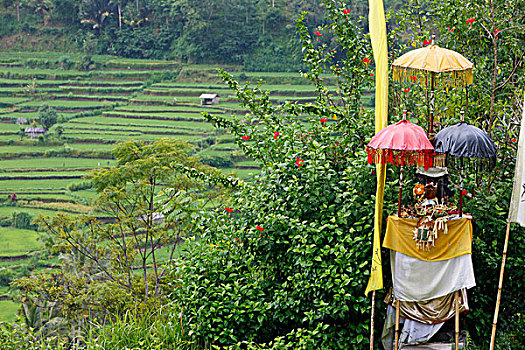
[259, 34]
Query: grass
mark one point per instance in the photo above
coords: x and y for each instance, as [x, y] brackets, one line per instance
[90, 146]
[35, 185]
[8, 211]
[8, 310]
[66, 104]
[144, 108]
[42, 149]
[40, 174]
[53, 163]
[27, 149]
[28, 115]
[17, 241]
[241, 173]
[9, 127]
[10, 101]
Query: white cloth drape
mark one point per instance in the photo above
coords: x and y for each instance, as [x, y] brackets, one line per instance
[517, 203]
[412, 332]
[418, 280]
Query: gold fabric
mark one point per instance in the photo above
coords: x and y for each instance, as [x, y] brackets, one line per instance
[458, 241]
[430, 311]
[432, 58]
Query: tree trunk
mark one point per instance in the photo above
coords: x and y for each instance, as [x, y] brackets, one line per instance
[119, 17]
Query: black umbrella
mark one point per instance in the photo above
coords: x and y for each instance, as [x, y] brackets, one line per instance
[462, 141]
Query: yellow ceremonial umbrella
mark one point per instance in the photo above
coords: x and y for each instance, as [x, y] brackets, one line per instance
[430, 66]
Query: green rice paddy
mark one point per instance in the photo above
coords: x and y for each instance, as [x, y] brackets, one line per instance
[96, 109]
[17, 241]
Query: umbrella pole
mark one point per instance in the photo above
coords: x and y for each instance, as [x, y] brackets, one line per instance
[432, 85]
[460, 195]
[400, 191]
[466, 98]
[500, 285]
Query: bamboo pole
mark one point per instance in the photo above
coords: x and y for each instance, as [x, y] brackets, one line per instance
[500, 285]
[456, 306]
[400, 191]
[432, 100]
[396, 346]
[372, 320]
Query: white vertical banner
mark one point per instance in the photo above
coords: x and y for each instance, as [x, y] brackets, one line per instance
[517, 202]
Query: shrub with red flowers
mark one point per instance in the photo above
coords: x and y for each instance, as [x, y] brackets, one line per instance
[308, 269]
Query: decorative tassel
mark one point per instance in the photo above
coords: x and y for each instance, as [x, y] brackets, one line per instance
[442, 79]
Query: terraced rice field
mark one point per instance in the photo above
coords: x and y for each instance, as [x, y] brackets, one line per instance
[121, 99]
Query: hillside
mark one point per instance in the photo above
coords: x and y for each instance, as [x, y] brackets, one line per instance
[117, 100]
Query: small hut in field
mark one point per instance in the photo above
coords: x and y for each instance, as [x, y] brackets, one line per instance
[209, 99]
[34, 131]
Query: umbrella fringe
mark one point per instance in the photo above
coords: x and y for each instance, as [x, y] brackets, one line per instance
[395, 157]
[469, 164]
[443, 79]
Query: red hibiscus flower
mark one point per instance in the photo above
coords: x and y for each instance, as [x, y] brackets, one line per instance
[413, 78]
[451, 29]
[229, 210]
[513, 140]
[299, 162]
[347, 11]
[260, 228]
[471, 20]
[275, 134]
[317, 33]
[464, 192]
[497, 31]
[367, 60]
[371, 74]
[426, 42]
[407, 90]
[246, 138]
[324, 120]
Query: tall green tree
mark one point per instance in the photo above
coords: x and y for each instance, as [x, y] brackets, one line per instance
[114, 260]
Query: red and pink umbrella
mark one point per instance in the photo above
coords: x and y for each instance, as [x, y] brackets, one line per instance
[403, 143]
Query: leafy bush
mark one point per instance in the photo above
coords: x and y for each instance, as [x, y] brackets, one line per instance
[150, 329]
[23, 220]
[218, 161]
[6, 276]
[292, 249]
[47, 116]
[79, 186]
[18, 337]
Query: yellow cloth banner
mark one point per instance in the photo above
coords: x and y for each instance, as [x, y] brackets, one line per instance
[517, 204]
[377, 23]
[458, 240]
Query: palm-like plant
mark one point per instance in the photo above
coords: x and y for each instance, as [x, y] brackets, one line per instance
[96, 12]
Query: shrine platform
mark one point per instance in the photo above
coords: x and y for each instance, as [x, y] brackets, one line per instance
[432, 346]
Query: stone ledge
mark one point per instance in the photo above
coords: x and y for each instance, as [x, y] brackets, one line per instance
[432, 346]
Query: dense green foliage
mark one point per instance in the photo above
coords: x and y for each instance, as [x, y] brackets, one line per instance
[291, 249]
[253, 33]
